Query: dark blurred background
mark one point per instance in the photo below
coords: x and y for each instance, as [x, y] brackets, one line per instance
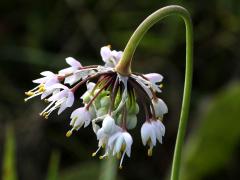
[39, 35]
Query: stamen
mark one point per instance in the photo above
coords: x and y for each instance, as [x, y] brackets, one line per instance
[104, 156]
[69, 133]
[120, 165]
[32, 96]
[95, 153]
[150, 152]
[43, 112]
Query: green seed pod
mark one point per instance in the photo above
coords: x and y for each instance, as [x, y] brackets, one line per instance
[133, 109]
[86, 97]
[105, 101]
[119, 119]
[92, 111]
[131, 121]
[101, 111]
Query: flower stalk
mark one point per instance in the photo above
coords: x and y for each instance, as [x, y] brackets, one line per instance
[124, 68]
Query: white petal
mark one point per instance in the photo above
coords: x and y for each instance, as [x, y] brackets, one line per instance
[159, 129]
[160, 107]
[118, 144]
[112, 139]
[62, 108]
[90, 86]
[58, 86]
[57, 96]
[40, 80]
[145, 132]
[73, 62]
[108, 124]
[52, 81]
[70, 99]
[117, 55]
[154, 77]
[68, 70]
[128, 140]
[105, 53]
[47, 73]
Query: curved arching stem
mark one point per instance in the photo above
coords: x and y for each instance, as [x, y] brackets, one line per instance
[124, 68]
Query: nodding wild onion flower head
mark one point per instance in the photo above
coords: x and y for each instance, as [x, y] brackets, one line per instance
[110, 104]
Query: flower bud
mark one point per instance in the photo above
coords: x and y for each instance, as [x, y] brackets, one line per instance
[108, 125]
[160, 107]
[101, 111]
[131, 121]
[105, 101]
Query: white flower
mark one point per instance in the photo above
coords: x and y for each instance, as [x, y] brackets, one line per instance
[102, 138]
[48, 80]
[79, 117]
[120, 143]
[45, 83]
[60, 99]
[111, 58]
[151, 132]
[74, 66]
[108, 125]
[160, 107]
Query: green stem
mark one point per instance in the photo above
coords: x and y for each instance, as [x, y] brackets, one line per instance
[124, 68]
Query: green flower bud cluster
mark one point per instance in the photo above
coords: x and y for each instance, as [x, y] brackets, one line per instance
[101, 105]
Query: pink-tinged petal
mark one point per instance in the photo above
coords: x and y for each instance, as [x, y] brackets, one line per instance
[73, 62]
[68, 70]
[58, 86]
[105, 53]
[57, 96]
[70, 99]
[154, 77]
[117, 55]
[51, 82]
[47, 73]
[40, 80]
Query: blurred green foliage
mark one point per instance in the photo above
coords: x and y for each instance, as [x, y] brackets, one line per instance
[213, 144]
[9, 156]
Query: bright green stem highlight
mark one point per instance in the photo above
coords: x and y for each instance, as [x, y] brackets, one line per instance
[124, 67]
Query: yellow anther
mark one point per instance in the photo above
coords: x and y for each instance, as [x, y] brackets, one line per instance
[150, 152]
[41, 89]
[103, 146]
[120, 167]
[94, 154]
[46, 117]
[69, 133]
[119, 155]
[101, 157]
[161, 85]
[41, 85]
[29, 93]
[109, 46]
[123, 147]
